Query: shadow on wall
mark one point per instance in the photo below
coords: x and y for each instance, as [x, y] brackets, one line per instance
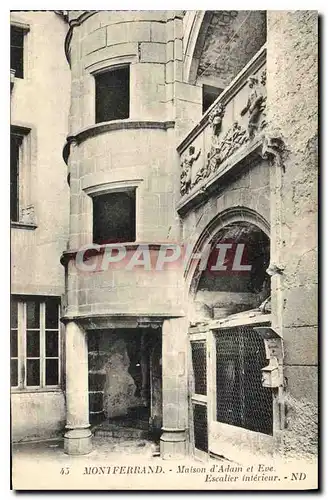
[241, 282]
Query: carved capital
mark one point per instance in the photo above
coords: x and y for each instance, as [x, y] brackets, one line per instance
[272, 149]
[274, 269]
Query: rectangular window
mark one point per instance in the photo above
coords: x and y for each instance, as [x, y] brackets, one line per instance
[17, 50]
[210, 94]
[15, 144]
[113, 95]
[35, 340]
[114, 217]
[241, 400]
[19, 170]
[14, 343]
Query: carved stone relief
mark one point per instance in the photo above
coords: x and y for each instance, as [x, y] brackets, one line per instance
[224, 145]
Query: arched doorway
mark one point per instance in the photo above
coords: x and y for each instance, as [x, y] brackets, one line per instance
[231, 411]
[235, 277]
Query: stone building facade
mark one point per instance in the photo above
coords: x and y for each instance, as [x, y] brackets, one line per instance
[188, 132]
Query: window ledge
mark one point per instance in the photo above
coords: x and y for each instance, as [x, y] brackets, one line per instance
[23, 225]
[15, 390]
[103, 127]
[19, 24]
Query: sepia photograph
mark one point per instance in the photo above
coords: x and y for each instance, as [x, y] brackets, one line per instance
[164, 238]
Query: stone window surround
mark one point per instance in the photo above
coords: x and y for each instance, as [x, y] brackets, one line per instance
[25, 28]
[27, 160]
[102, 67]
[116, 187]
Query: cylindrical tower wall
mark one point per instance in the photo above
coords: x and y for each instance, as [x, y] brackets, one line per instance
[135, 153]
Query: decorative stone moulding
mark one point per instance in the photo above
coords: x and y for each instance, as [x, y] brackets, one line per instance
[102, 128]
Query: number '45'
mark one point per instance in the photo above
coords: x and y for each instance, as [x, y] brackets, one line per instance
[64, 471]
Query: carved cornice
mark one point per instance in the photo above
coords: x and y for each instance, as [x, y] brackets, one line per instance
[273, 149]
[110, 320]
[101, 128]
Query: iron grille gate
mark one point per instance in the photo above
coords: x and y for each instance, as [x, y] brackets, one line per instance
[200, 427]
[241, 400]
[198, 355]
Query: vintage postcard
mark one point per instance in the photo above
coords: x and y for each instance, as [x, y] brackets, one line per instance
[163, 183]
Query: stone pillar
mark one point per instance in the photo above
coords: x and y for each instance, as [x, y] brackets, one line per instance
[173, 443]
[77, 440]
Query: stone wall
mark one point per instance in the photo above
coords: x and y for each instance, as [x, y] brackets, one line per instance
[292, 115]
[37, 416]
[250, 189]
[139, 151]
[40, 102]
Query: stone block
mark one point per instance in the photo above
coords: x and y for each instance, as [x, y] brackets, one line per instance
[112, 52]
[122, 16]
[128, 32]
[95, 41]
[170, 51]
[302, 382]
[178, 49]
[82, 297]
[260, 175]
[153, 52]
[300, 306]
[300, 346]
[187, 92]
[148, 73]
[158, 32]
[162, 184]
[241, 182]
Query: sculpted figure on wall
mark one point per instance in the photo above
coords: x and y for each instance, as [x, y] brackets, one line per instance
[215, 119]
[255, 105]
[186, 165]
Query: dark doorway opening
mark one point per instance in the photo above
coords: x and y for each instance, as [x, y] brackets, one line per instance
[125, 382]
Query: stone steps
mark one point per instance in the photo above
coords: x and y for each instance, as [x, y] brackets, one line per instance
[107, 429]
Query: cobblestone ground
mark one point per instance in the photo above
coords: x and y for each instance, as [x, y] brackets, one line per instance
[104, 448]
[129, 464]
[44, 465]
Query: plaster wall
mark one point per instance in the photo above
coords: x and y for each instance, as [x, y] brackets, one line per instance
[40, 101]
